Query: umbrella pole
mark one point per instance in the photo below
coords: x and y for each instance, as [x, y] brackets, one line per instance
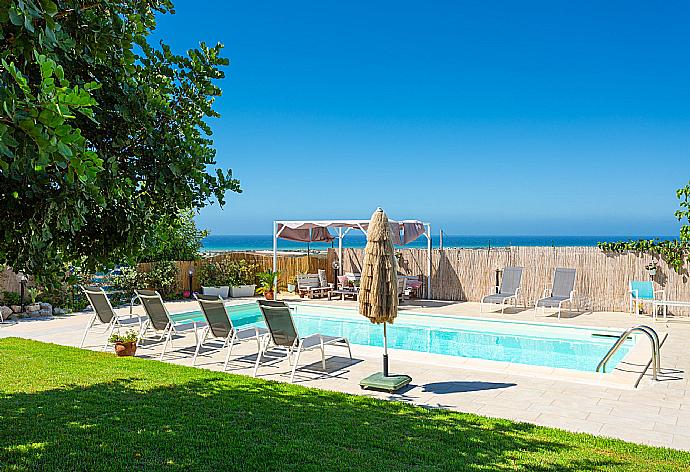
[385, 352]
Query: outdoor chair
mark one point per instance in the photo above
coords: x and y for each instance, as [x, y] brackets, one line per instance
[105, 315]
[283, 335]
[313, 285]
[508, 291]
[642, 292]
[160, 321]
[561, 291]
[220, 327]
[403, 293]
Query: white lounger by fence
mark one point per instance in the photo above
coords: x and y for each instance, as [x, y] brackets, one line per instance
[508, 291]
[561, 291]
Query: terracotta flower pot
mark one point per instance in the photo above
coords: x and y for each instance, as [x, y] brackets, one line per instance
[126, 349]
[269, 295]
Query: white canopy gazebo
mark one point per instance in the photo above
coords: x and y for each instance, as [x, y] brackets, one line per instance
[404, 232]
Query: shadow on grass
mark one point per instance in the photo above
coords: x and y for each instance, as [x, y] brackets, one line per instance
[233, 423]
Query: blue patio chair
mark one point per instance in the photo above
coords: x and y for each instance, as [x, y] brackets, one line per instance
[642, 292]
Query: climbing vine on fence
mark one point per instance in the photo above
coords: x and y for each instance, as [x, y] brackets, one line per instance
[674, 252]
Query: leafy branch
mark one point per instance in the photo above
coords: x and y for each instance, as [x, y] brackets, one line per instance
[674, 252]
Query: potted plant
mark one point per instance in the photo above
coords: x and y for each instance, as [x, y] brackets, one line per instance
[266, 280]
[212, 280]
[651, 268]
[125, 344]
[292, 284]
[242, 276]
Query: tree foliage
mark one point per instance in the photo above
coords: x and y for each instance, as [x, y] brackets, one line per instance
[174, 238]
[674, 252]
[103, 136]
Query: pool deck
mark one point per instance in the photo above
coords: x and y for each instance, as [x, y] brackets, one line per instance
[655, 413]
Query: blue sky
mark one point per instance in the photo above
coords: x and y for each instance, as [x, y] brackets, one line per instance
[481, 117]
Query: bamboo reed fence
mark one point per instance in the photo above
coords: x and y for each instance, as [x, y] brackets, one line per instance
[288, 266]
[469, 274]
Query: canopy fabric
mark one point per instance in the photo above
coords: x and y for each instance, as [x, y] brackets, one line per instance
[411, 231]
[317, 234]
[299, 230]
[378, 288]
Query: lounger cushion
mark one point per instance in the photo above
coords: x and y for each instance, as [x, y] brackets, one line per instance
[551, 302]
[248, 333]
[497, 297]
[323, 280]
[315, 340]
[308, 281]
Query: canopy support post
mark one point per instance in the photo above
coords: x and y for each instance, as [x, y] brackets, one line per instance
[340, 254]
[428, 255]
[275, 255]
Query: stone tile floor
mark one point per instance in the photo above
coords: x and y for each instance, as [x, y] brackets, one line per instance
[655, 413]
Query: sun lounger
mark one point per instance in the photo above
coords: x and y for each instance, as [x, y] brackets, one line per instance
[283, 335]
[508, 291]
[105, 315]
[220, 326]
[561, 291]
[160, 321]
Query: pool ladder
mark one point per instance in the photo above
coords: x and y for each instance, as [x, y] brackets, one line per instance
[656, 349]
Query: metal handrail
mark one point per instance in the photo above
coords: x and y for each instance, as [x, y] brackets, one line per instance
[653, 338]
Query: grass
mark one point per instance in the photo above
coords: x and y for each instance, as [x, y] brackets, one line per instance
[68, 409]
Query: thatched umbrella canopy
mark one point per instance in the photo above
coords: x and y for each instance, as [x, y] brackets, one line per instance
[378, 292]
[378, 289]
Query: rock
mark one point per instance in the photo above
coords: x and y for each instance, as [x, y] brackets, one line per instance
[46, 306]
[33, 307]
[16, 308]
[43, 312]
[59, 311]
[5, 311]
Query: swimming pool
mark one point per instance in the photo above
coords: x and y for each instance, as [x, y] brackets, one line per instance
[538, 344]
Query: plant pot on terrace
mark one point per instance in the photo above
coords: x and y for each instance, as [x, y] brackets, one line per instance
[266, 281]
[221, 290]
[125, 344]
[237, 291]
[125, 349]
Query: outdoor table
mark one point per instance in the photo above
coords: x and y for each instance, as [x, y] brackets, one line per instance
[667, 303]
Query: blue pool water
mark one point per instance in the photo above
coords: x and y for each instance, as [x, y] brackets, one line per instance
[506, 341]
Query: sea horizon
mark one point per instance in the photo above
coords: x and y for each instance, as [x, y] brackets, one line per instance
[264, 242]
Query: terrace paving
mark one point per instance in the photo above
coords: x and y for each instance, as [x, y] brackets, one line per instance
[655, 413]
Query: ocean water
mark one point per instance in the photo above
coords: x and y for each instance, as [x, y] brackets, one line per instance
[228, 242]
[537, 344]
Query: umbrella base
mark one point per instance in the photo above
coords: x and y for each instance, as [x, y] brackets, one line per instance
[390, 383]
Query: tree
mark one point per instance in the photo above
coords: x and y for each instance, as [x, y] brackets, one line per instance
[102, 135]
[174, 239]
[683, 214]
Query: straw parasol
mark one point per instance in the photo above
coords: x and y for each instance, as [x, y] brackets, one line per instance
[378, 293]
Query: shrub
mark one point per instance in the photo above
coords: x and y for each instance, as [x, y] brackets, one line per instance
[129, 280]
[11, 298]
[209, 275]
[227, 272]
[163, 277]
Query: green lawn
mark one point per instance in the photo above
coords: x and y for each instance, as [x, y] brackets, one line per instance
[69, 409]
